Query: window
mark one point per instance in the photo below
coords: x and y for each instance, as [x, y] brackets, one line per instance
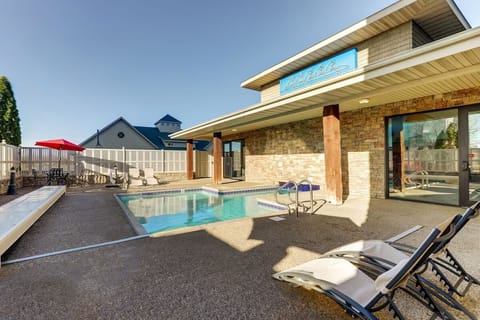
[423, 156]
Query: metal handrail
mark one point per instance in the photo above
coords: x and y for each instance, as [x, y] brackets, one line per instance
[311, 194]
[294, 202]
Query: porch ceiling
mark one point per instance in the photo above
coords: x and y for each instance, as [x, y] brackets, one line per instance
[447, 65]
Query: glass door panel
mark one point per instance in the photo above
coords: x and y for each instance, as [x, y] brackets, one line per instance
[233, 160]
[473, 162]
[237, 159]
[423, 157]
[227, 160]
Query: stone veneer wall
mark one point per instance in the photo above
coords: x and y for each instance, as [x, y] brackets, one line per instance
[292, 151]
[363, 138]
[295, 150]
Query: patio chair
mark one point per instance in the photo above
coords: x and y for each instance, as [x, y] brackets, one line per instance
[134, 178]
[389, 253]
[149, 176]
[359, 289]
[56, 175]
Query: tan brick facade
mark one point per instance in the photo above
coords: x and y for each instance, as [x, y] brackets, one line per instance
[295, 150]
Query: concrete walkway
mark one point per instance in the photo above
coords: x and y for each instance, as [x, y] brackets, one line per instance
[221, 272]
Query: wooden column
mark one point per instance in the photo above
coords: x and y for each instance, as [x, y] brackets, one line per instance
[333, 154]
[190, 159]
[217, 157]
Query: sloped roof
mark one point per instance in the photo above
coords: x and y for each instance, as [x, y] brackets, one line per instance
[120, 119]
[160, 138]
[152, 134]
[439, 19]
[168, 118]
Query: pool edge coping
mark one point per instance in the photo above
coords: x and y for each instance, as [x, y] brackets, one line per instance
[140, 230]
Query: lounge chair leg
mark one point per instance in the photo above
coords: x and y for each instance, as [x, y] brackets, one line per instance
[394, 311]
[434, 291]
[459, 268]
[452, 265]
[422, 295]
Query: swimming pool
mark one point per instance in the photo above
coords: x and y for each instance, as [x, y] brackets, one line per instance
[164, 211]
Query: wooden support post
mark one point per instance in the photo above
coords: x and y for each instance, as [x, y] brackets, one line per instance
[190, 159]
[333, 154]
[217, 158]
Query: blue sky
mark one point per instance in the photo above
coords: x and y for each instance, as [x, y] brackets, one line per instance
[76, 66]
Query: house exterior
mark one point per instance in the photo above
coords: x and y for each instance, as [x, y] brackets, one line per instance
[121, 134]
[386, 108]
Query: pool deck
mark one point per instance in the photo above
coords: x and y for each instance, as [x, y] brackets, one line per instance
[220, 272]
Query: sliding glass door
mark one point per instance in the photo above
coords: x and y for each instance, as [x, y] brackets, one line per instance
[470, 155]
[435, 156]
[423, 157]
[233, 160]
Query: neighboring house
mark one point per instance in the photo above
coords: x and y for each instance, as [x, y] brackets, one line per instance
[340, 111]
[121, 134]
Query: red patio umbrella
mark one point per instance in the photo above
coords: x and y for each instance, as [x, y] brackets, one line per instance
[59, 144]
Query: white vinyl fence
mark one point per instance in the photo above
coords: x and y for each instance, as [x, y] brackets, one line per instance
[9, 157]
[37, 161]
[102, 161]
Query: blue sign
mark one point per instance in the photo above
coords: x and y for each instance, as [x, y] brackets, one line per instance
[321, 71]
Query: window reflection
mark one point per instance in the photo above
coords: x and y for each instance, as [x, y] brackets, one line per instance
[423, 156]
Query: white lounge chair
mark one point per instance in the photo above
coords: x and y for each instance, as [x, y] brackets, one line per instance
[351, 285]
[134, 178]
[149, 176]
[390, 252]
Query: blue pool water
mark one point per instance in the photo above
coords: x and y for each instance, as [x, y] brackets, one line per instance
[168, 211]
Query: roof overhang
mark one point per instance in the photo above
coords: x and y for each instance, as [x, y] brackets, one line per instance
[439, 19]
[446, 65]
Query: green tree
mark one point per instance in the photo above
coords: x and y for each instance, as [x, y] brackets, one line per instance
[452, 134]
[442, 140]
[448, 139]
[9, 119]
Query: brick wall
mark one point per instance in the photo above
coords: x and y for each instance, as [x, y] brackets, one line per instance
[295, 150]
[292, 151]
[363, 132]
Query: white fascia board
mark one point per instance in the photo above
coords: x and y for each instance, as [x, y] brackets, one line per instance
[459, 42]
[353, 28]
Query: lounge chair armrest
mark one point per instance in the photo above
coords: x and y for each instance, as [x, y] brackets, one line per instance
[404, 234]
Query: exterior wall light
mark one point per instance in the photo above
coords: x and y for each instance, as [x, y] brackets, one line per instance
[364, 101]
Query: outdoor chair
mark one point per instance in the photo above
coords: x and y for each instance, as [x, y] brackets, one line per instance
[149, 176]
[389, 253]
[134, 178]
[362, 288]
[56, 175]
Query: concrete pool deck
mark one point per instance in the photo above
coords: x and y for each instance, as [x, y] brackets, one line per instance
[222, 272]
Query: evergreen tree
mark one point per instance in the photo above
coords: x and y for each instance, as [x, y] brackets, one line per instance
[442, 140]
[9, 119]
[452, 134]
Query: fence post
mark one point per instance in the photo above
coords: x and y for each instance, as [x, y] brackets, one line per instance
[125, 176]
[164, 164]
[3, 151]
